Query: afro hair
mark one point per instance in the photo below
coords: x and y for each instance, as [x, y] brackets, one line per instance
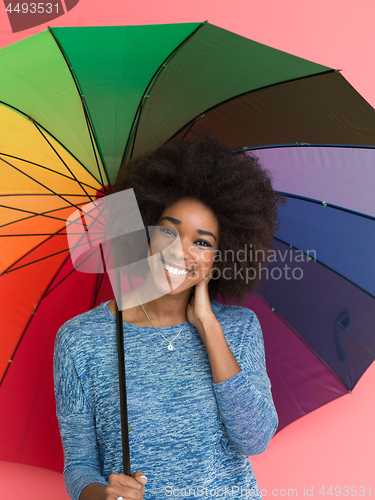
[232, 184]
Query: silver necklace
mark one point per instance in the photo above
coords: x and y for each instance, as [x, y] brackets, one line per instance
[170, 346]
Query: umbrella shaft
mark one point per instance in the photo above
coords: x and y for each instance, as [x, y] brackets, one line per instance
[122, 383]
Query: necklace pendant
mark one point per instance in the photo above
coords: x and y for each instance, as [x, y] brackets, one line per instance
[170, 347]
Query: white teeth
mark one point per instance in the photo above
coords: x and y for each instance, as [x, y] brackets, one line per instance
[174, 270]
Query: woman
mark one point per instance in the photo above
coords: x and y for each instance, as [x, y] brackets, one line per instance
[199, 399]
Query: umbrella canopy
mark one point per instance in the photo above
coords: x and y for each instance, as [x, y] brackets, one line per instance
[77, 102]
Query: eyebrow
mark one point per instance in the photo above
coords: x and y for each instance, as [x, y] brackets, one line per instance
[199, 231]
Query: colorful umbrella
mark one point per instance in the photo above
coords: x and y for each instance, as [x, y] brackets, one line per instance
[77, 102]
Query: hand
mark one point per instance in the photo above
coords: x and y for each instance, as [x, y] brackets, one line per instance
[127, 487]
[199, 309]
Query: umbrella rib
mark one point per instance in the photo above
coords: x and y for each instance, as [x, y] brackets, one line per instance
[57, 284]
[49, 170]
[336, 207]
[98, 282]
[50, 235]
[35, 309]
[71, 272]
[304, 144]
[134, 126]
[133, 133]
[327, 267]
[49, 133]
[304, 341]
[46, 292]
[187, 131]
[364, 346]
[194, 120]
[47, 188]
[300, 372]
[40, 184]
[100, 278]
[34, 261]
[35, 234]
[85, 111]
[31, 317]
[43, 213]
[7, 195]
[92, 135]
[57, 233]
[33, 214]
[63, 162]
[28, 323]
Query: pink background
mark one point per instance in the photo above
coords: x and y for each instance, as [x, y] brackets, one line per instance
[334, 445]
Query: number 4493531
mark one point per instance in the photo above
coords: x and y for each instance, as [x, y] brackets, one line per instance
[33, 8]
[346, 491]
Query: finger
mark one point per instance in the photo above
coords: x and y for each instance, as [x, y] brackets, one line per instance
[123, 481]
[209, 276]
[126, 492]
[140, 477]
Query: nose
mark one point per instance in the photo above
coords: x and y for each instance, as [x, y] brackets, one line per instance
[176, 250]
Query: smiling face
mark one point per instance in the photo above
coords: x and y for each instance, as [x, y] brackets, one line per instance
[185, 261]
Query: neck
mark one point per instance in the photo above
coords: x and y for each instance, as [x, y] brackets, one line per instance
[167, 308]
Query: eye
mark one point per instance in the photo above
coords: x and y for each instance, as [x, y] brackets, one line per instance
[206, 244]
[170, 232]
[167, 230]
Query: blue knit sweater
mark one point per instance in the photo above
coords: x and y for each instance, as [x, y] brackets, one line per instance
[191, 437]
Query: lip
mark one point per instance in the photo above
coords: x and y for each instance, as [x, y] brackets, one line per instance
[162, 262]
[173, 264]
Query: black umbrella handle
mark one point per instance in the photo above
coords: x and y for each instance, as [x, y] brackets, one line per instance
[122, 382]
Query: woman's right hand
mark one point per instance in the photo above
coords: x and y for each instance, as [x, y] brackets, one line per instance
[127, 487]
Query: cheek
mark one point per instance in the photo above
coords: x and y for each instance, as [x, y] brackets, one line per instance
[207, 259]
[157, 244]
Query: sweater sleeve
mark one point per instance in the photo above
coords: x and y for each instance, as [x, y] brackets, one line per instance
[245, 400]
[76, 423]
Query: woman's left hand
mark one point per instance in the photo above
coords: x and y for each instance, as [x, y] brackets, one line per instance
[199, 309]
